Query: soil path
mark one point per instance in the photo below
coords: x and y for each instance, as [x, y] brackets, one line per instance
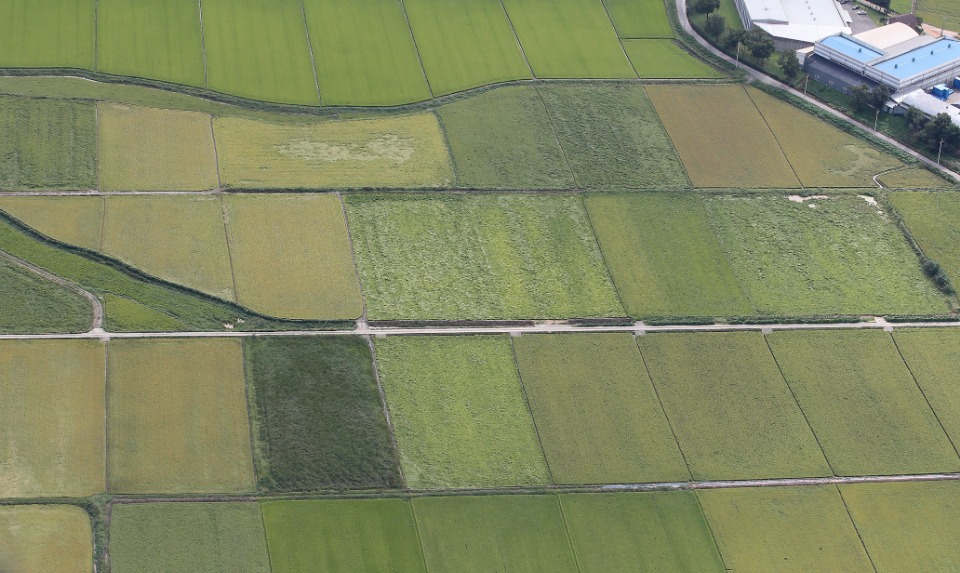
[95, 304]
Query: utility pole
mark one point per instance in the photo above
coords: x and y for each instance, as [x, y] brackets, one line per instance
[939, 152]
[738, 53]
[876, 119]
[805, 82]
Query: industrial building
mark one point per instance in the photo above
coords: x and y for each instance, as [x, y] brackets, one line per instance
[795, 24]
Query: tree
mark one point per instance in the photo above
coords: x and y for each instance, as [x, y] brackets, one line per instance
[941, 128]
[879, 96]
[882, 3]
[706, 6]
[789, 63]
[715, 24]
[916, 119]
[735, 37]
[760, 44]
[860, 97]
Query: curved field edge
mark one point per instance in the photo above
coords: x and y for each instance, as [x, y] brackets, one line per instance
[104, 275]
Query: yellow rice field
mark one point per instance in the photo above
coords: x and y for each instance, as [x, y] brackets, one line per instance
[45, 539]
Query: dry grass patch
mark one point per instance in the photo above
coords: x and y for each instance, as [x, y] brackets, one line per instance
[45, 539]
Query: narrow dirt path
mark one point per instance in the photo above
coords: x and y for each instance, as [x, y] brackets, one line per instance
[95, 304]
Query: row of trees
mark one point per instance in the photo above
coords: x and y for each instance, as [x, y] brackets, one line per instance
[756, 41]
[931, 131]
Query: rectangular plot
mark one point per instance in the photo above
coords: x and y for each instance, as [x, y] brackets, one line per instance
[176, 238]
[521, 534]
[71, 220]
[866, 410]
[321, 423]
[44, 538]
[503, 139]
[665, 59]
[788, 530]
[47, 34]
[156, 39]
[613, 137]
[48, 144]
[821, 154]
[342, 535]
[392, 152]
[178, 417]
[913, 178]
[291, 256]
[907, 526]
[933, 220]
[196, 537]
[364, 53]
[257, 49]
[837, 255]
[178, 154]
[51, 417]
[458, 412]
[664, 256]
[731, 411]
[663, 532]
[734, 148]
[465, 44]
[459, 257]
[596, 412]
[933, 357]
[640, 18]
[568, 39]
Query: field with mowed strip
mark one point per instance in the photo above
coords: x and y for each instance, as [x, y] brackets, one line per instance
[30, 304]
[291, 256]
[47, 144]
[178, 417]
[459, 257]
[877, 420]
[732, 412]
[45, 538]
[198, 537]
[51, 447]
[178, 155]
[398, 151]
[597, 415]
[458, 412]
[932, 220]
[47, 33]
[933, 357]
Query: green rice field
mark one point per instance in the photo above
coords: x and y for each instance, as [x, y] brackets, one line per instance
[47, 34]
[732, 413]
[639, 19]
[596, 413]
[665, 59]
[913, 178]
[34, 304]
[458, 412]
[484, 256]
[877, 422]
[932, 220]
[933, 357]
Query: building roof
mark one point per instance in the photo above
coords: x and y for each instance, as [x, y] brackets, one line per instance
[803, 20]
[887, 36]
[931, 105]
[847, 46]
[922, 59]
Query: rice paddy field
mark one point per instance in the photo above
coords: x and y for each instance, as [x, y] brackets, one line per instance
[459, 413]
[644, 19]
[457, 257]
[47, 34]
[597, 415]
[51, 417]
[178, 417]
[44, 538]
[179, 155]
[933, 358]
[70, 220]
[665, 59]
[931, 219]
[34, 304]
[48, 144]
[396, 151]
[913, 178]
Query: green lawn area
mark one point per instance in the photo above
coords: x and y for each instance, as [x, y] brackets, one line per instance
[730, 409]
[47, 144]
[666, 59]
[862, 403]
[47, 34]
[784, 529]
[835, 256]
[933, 220]
[458, 412]
[465, 44]
[332, 536]
[613, 137]
[503, 139]
[517, 533]
[196, 537]
[31, 304]
[661, 531]
[157, 39]
[320, 422]
[364, 53]
[461, 257]
[568, 39]
[664, 256]
[258, 49]
[596, 412]
[639, 18]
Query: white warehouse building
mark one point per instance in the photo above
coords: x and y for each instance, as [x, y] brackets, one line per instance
[795, 24]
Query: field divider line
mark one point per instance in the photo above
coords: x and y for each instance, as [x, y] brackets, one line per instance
[446, 142]
[386, 408]
[203, 45]
[106, 417]
[566, 532]
[526, 402]
[362, 321]
[666, 132]
[266, 538]
[216, 155]
[796, 401]
[713, 534]
[857, 529]
[603, 257]
[226, 237]
[313, 63]
[924, 394]
[416, 48]
[96, 149]
[517, 36]
[775, 138]
[623, 49]
[556, 136]
[416, 529]
[96, 35]
[253, 415]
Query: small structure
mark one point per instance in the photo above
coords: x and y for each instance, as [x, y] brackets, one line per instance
[928, 104]
[795, 24]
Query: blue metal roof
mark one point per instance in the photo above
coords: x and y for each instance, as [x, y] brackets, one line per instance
[922, 59]
[851, 48]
